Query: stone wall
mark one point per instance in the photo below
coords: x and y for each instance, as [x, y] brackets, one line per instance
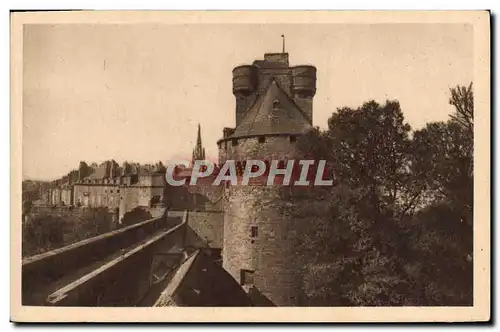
[135, 196]
[205, 229]
[274, 148]
[202, 197]
[268, 249]
[258, 235]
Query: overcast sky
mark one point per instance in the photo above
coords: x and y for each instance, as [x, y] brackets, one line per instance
[137, 92]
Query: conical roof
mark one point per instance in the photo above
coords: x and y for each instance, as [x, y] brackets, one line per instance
[273, 112]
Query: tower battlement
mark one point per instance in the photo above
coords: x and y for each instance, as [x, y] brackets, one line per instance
[250, 81]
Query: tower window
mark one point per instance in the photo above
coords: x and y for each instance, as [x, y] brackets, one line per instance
[276, 104]
[262, 139]
[254, 231]
[246, 277]
[235, 142]
[293, 139]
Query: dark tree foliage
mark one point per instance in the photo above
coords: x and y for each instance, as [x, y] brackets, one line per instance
[45, 232]
[135, 216]
[396, 227]
[93, 222]
[42, 233]
[462, 98]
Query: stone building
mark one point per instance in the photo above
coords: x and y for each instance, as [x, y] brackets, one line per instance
[67, 195]
[273, 109]
[121, 188]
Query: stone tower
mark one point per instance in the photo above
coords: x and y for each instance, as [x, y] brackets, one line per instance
[199, 150]
[273, 109]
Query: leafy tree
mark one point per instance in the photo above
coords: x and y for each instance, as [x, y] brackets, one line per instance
[357, 242]
[42, 233]
[93, 222]
[350, 253]
[440, 268]
[463, 99]
[135, 216]
[442, 233]
[443, 159]
[396, 228]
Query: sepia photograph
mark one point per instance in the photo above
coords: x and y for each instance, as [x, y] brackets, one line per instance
[250, 166]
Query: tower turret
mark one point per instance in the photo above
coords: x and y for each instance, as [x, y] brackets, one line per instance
[304, 88]
[245, 81]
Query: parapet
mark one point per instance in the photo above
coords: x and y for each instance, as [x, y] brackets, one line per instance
[273, 60]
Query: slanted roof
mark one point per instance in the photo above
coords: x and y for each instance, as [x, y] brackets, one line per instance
[273, 112]
[201, 282]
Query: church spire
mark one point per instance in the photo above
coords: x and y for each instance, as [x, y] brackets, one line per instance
[199, 150]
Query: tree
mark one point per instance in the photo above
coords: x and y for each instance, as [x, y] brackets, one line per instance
[358, 241]
[442, 233]
[42, 233]
[396, 228]
[93, 222]
[444, 154]
[463, 99]
[350, 255]
[135, 216]
[440, 267]
[443, 159]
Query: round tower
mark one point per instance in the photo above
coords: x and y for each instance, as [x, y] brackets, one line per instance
[273, 109]
[259, 240]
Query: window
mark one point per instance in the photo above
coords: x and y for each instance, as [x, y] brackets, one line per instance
[246, 277]
[235, 142]
[276, 104]
[293, 139]
[254, 231]
[262, 139]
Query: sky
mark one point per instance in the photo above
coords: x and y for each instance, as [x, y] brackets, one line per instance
[136, 92]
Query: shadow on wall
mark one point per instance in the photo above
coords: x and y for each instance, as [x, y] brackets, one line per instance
[204, 231]
[208, 285]
[135, 216]
[181, 198]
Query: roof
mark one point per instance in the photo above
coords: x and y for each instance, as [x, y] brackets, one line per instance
[273, 112]
[201, 282]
